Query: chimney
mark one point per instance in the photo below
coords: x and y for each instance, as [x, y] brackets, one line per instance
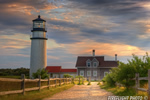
[115, 57]
[94, 53]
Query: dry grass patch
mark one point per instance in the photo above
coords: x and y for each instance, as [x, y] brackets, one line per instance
[36, 95]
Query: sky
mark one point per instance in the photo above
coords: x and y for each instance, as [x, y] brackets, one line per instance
[74, 28]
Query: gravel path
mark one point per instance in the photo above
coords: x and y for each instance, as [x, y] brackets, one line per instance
[82, 92]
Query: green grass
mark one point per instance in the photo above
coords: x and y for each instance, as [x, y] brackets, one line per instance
[122, 91]
[94, 80]
[119, 91]
[89, 83]
[36, 95]
[80, 83]
[77, 82]
[98, 83]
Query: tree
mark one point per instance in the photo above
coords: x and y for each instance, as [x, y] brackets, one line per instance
[41, 72]
[125, 72]
[14, 72]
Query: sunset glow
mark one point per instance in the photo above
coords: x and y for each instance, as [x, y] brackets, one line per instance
[74, 28]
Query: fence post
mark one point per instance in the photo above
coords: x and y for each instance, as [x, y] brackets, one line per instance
[82, 80]
[73, 80]
[99, 79]
[137, 81]
[39, 82]
[55, 82]
[149, 84]
[23, 83]
[59, 82]
[70, 80]
[79, 80]
[89, 80]
[49, 82]
[66, 80]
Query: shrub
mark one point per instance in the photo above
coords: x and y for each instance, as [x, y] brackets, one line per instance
[125, 72]
[41, 72]
[79, 76]
[109, 81]
[67, 76]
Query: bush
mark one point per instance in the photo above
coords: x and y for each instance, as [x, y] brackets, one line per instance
[42, 72]
[109, 81]
[125, 72]
[79, 76]
[68, 76]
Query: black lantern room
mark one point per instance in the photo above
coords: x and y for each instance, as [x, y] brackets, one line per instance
[39, 25]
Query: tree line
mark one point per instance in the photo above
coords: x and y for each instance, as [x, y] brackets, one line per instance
[14, 72]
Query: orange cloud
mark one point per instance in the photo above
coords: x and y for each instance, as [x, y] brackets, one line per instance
[17, 41]
[28, 8]
[52, 57]
[110, 49]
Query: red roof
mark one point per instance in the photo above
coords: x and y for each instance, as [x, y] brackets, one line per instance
[54, 69]
[81, 61]
[68, 70]
[57, 69]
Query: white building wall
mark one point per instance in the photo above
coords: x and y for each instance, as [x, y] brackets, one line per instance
[38, 58]
[56, 75]
[39, 34]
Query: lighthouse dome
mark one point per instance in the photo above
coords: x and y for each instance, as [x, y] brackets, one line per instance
[39, 19]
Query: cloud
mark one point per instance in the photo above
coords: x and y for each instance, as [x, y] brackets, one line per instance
[18, 14]
[74, 28]
[86, 46]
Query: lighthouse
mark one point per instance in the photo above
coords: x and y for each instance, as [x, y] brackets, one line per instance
[38, 59]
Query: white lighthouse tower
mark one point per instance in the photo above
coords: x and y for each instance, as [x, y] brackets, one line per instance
[38, 59]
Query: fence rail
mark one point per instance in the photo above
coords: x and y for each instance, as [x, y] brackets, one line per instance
[137, 82]
[58, 82]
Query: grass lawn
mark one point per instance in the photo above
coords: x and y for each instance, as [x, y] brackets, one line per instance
[122, 91]
[119, 91]
[36, 95]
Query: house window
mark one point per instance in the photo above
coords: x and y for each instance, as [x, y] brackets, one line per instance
[105, 73]
[94, 73]
[88, 64]
[88, 73]
[95, 64]
[51, 75]
[81, 73]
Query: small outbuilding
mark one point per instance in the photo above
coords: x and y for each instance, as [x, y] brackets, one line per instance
[58, 72]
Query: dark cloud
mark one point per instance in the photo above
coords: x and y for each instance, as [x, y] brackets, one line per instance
[15, 14]
[63, 23]
[38, 4]
[130, 8]
[64, 37]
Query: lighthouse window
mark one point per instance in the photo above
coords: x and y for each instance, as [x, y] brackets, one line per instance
[38, 25]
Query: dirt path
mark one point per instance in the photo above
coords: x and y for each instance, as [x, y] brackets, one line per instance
[82, 92]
